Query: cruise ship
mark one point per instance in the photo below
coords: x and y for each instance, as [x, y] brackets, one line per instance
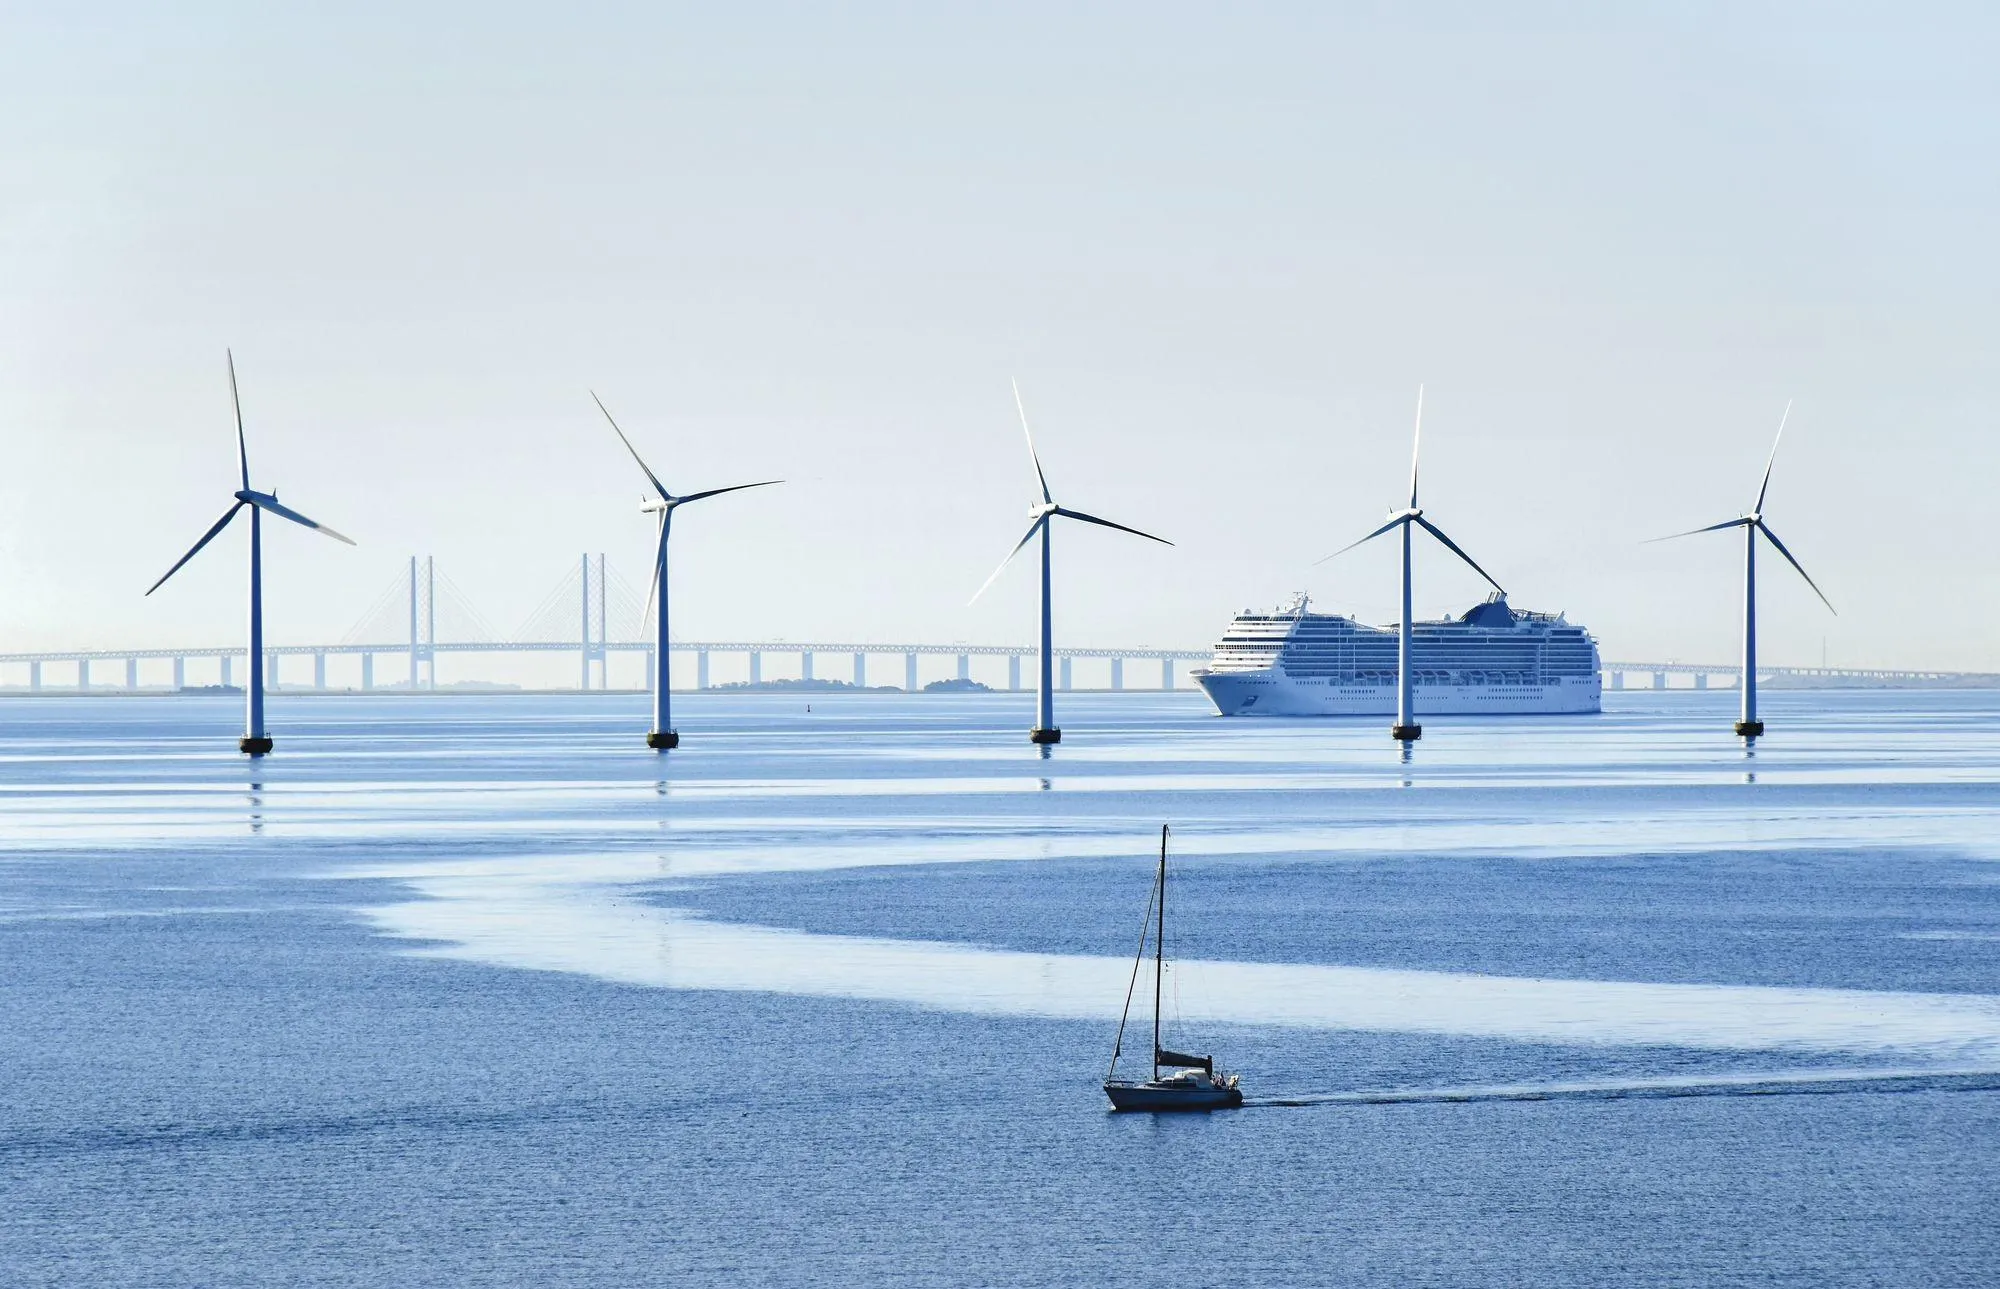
[1495, 658]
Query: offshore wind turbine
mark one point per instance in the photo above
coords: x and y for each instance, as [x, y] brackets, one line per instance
[1406, 728]
[1752, 523]
[256, 740]
[663, 503]
[1041, 520]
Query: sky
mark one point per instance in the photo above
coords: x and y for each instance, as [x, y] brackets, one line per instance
[1219, 248]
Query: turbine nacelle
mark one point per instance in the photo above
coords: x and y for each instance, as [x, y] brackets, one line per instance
[1414, 514]
[663, 504]
[1047, 510]
[1754, 520]
[245, 496]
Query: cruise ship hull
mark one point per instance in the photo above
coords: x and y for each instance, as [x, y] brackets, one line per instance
[1273, 693]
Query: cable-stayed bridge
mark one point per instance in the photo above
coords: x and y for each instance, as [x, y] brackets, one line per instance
[594, 615]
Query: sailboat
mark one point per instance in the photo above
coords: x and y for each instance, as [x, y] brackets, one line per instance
[1194, 1083]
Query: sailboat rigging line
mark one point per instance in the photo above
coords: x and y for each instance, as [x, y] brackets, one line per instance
[1159, 952]
[1145, 928]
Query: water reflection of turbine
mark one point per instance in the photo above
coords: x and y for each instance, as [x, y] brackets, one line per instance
[256, 807]
[1752, 524]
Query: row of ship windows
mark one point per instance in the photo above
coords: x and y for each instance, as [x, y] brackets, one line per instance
[1438, 646]
[1421, 640]
[1389, 642]
[1424, 676]
[1282, 631]
[1424, 658]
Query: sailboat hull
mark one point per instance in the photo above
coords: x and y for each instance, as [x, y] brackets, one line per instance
[1163, 1096]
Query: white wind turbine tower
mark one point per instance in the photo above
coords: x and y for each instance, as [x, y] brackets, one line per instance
[1406, 728]
[256, 741]
[1041, 521]
[1752, 523]
[662, 736]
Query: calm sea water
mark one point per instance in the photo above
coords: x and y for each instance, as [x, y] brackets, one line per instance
[479, 991]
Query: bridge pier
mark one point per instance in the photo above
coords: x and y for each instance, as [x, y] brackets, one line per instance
[367, 671]
[701, 669]
[1701, 680]
[756, 666]
[910, 672]
[180, 672]
[319, 669]
[1014, 671]
[271, 671]
[1617, 680]
[1117, 674]
[34, 675]
[965, 666]
[1066, 671]
[131, 673]
[83, 673]
[227, 664]
[861, 671]
[806, 664]
[1166, 673]
[1659, 680]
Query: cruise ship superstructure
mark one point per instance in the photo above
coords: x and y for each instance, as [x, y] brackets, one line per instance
[1494, 658]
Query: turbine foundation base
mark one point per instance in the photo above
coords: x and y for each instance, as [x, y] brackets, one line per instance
[254, 744]
[1045, 736]
[661, 740]
[1406, 733]
[1749, 729]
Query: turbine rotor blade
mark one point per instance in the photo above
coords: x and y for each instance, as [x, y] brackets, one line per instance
[1093, 519]
[717, 492]
[651, 478]
[206, 538]
[264, 501]
[1416, 447]
[1438, 533]
[1765, 487]
[659, 567]
[1773, 539]
[1399, 519]
[1032, 454]
[1032, 530]
[1712, 528]
[242, 453]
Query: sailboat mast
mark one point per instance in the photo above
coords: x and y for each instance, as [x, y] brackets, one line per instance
[1159, 952]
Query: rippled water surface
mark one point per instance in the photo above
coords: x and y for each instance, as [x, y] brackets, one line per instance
[457, 990]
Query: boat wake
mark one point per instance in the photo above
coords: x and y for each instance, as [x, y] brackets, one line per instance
[1782, 1083]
